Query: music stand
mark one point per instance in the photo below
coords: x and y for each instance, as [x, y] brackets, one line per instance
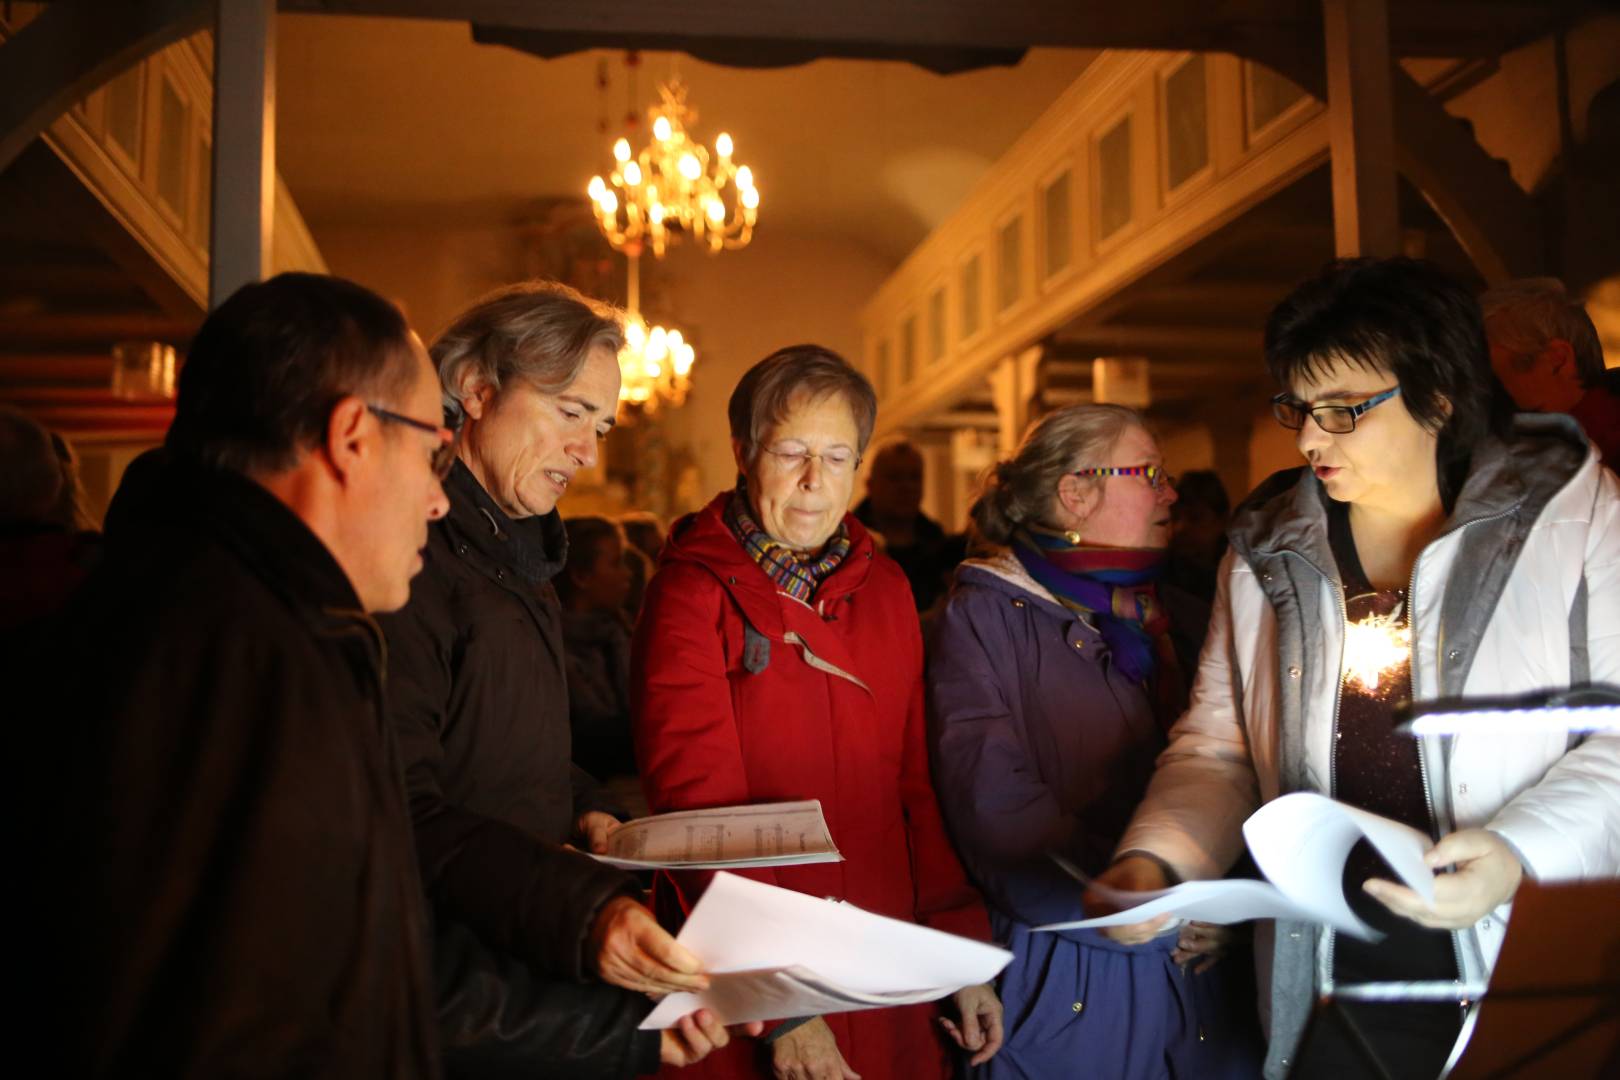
[1552, 1007]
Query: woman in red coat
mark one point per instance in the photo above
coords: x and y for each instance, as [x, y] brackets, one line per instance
[779, 658]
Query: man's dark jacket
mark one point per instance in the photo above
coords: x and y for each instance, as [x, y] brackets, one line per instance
[223, 882]
[479, 702]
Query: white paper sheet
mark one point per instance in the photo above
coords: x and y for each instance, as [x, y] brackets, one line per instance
[1300, 843]
[771, 834]
[773, 953]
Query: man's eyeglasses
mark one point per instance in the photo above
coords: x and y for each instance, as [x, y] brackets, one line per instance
[838, 461]
[444, 454]
[1333, 419]
[1157, 476]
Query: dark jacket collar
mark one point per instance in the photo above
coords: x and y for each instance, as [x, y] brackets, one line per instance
[533, 548]
[162, 492]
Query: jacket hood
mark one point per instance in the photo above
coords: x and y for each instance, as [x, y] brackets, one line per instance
[1288, 511]
[703, 539]
[534, 548]
[1005, 574]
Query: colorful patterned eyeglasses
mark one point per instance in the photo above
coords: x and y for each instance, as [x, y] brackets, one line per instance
[1333, 419]
[1157, 475]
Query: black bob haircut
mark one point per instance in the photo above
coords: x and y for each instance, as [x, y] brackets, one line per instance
[271, 363]
[1412, 320]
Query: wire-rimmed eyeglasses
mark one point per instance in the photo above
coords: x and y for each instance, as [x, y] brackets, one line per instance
[1157, 475]
[444, 454]
[1333, 419]
[837, 460]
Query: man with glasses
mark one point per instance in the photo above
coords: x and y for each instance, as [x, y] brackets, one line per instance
[220, 879]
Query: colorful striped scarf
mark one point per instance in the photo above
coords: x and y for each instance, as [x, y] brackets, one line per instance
[1113, 586]
[797, 573]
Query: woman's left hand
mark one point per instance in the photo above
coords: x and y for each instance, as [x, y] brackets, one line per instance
[1202, 939]
[979, 1029]
[593, 828]
[1488, 874]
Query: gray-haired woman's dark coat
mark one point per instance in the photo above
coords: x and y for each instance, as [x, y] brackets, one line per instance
[1041, 745]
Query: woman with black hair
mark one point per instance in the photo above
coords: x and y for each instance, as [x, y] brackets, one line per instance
[1488, 542]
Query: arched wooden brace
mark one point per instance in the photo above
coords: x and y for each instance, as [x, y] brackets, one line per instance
[74, 46]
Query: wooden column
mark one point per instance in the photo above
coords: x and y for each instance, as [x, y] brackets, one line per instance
[1361, 124]
[1012, 388]
[244, 165]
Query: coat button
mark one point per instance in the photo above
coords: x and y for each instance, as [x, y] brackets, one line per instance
[1462, 789]
[1018, 603]
[1079, 1006]
[1293, 672]
[500, 575]
[731, 581]
[1079, 644]
[461, 549]
[1453, 654]
[1484, 924]
[1200, 1032]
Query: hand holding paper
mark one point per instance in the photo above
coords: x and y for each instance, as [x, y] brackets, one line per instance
[772, 953]
[1300, 842]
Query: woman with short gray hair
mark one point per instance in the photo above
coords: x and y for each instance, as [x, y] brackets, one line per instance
[778, 658]
[1052, 680]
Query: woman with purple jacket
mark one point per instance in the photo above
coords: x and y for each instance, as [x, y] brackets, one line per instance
[1053, 677]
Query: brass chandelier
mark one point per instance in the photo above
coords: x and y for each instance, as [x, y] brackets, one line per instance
[655, 364]
[675, 187]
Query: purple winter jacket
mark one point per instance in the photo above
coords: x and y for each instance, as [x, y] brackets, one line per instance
[1041, 745]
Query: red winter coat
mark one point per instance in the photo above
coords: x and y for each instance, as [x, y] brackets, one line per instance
[836, 714]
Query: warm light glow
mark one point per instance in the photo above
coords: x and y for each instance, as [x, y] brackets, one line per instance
[671, 187]
[655, 365]
[1375, 649]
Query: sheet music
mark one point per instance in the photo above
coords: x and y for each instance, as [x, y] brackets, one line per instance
[1300, 843]
[771, 834]
[773, 953]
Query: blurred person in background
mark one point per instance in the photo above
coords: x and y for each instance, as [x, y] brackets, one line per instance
[1197, 533]
[893, 510]
[644, 536]
[1549, 358]
[596, 634]
[1052, 681]
[47, 545]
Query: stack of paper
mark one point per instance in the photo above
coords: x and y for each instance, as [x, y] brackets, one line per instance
[773, 953]
[772, 834]
[1300, 842]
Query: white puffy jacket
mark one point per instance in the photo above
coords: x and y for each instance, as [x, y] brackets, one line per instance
[1491, 602]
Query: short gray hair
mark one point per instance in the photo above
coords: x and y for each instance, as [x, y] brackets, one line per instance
[539, 331]
[1022, 489]
[1523, 315]
[766, 391]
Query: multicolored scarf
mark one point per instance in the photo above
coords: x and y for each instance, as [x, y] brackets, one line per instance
[1114, 586]
[797, 573]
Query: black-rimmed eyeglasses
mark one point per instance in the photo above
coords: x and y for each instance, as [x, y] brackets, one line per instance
[444, 455]
[1333, 419]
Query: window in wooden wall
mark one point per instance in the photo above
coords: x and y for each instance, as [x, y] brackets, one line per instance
[971, 299]
[1270, 95]
[908, 350]
[174, 135]
[123, 99]
[1114, 179]
[936, 325]
[1058, 223]
[1010, 263]
[881, 364]
[202, 222]
[1186, 116]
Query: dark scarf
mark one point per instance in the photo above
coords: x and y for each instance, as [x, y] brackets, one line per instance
[796, 573]
[534, 548]
[1115, 587]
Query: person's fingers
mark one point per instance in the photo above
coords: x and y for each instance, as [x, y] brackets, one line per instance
[1459, 847]
[710, 1027]
[972, 1033]
[953, 1031]
[1205, 964]
[1402, 901]
[992, 1038]
[754, 1028]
